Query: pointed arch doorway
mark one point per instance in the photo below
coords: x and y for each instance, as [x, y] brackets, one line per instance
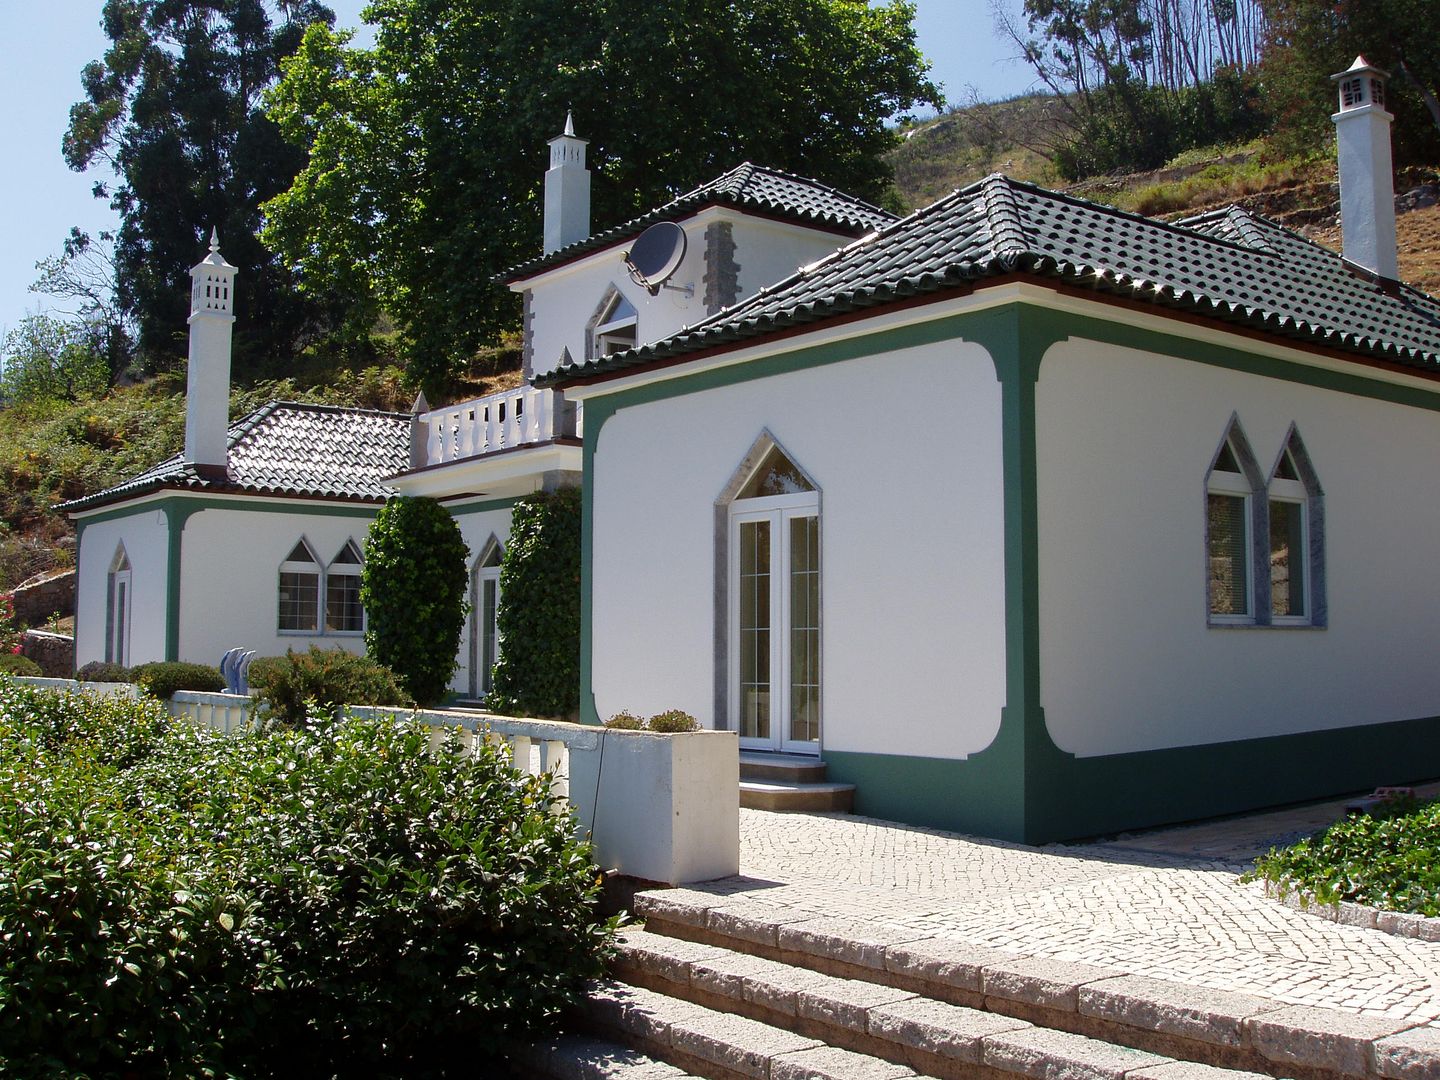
[484, 609]
[773, 542]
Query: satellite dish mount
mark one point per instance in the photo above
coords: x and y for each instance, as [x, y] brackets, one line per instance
[655, 256]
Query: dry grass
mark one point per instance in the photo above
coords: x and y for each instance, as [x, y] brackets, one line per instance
[1419, 236]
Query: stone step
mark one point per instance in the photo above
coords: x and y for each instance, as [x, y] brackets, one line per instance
[722, 1045]
[792, 768]
[797, 797]
[1178, 1021]
[578, 1057]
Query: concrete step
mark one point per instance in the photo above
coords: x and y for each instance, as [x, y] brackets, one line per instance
[578, 1057]
[791, 768]
[1180, 1022]
[797, 797]
[908, 1037]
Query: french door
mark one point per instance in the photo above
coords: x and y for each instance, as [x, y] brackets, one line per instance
[775, 622]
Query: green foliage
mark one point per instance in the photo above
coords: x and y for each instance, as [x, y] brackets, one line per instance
[672, 721]
[538, 673]
[625, 721]
[289, 687]
[453, 103]
[413, 588]
[336, 901]
[49, 359]
[103, 671]
[10, 633]
[15, 664]
[163, 677]
[174, 108]
[1389, 859]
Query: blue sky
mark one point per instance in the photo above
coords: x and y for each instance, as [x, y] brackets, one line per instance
[46, 45]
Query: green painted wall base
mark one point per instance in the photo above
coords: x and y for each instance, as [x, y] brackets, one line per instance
[1060, 797]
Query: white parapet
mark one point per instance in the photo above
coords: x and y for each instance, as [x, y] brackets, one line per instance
[507, 420]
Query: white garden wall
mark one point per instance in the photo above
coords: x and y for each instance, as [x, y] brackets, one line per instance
[145, 537]
[906, 448]
[1127, 660]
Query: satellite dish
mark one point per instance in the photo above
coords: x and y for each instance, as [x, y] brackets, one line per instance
[656, 255]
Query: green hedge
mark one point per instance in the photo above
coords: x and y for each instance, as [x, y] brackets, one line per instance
[538, 673]
[177, 903]
[15, 664]
[163, 677]
[292, 686]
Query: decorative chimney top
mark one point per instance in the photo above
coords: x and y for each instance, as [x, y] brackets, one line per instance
[567, 190]
[212, 289]
[207, 375]
[1361, 84]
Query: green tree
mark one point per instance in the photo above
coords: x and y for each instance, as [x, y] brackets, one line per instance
[413, 590]
[52, 359]
[1310, 40]
[426, 151]
[174, 109]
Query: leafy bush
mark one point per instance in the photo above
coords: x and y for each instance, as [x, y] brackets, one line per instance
[625, 721]
[538, 673]
[329, 679]
[163, 677]
[1389, 859]
[328, 901]
[413, 589]
[673, 721]
[15, 664]
[103, 671]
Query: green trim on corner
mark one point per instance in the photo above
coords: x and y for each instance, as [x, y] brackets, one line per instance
[482, 507]
[177, 513]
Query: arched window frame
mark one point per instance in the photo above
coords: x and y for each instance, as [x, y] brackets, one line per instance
[344, 614]
[300, 594]
[119, 604]
[1227, 556]
[485, 638]
[614, 326]
[1295, 548]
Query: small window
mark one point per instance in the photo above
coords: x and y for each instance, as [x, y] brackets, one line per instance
[615, 326]
[1230, 508]
[300, 590]
[343, 613]
[1296, 537]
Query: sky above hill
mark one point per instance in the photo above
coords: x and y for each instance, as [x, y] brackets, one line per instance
[46, 45]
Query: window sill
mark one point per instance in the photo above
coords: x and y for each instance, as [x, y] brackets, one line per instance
[1250, 624]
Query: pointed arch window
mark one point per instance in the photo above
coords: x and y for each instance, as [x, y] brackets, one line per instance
[1231, 528]
[343, 611]
[300, 590]
[613, 327]
[1296, 533]
[485, 611]
[117, 608]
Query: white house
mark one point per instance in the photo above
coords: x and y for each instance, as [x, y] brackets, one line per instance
[1032, 517]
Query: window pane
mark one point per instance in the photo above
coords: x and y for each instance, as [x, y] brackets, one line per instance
[1287, 558]
[299, 601]
[342, 603]
[754, 629]
[804, 629]
[1229, 560]
[489, 605]
[776, 475]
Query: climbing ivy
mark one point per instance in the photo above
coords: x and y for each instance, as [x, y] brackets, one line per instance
[538, 673]
[413, 589]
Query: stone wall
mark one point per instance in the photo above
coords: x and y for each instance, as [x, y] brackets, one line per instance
[55, 653]
[38, 599]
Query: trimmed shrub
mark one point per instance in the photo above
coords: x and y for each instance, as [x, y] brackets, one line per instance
[15, 664]
[625, 721]
[289, 687]
[336, 900]
[163, 677]
[672, 722]
[538, 673]
[413, 589]
[103, 671]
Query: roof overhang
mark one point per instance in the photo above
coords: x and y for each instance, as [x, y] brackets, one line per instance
[501, 475]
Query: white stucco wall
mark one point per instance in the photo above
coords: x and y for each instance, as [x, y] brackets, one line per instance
[1127, 661]
[906, 450]
[476, 527]
[769, 251]
[145, 537]
[229, 579]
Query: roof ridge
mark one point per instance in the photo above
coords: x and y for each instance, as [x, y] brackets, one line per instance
[1002, 212]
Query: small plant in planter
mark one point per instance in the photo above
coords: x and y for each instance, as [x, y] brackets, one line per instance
[672, 722]
[625, 721]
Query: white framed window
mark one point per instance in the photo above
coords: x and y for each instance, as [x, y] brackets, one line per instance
[774, 617]
[300, 590]
[1296, 549]
[343, 611]
[484, 614]
[615, 325]
[1230, 530]
[118, 603]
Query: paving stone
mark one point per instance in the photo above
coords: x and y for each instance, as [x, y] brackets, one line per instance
[948, 1031]
[1398, 922]
[1191, 1070]
[668, 957]
[637, 1011]
[1051, 984]
[767, 983]
[574, 1057]
[857, 943]
[1348, 914]
[1409, 1055]
[737, 1043]
[1190, 1012]
[845, 1002]
[950, 963]
[688, 907]
[726, 974]
[756, 924]
[1319, 1038]
[1053, 1055]
[830, 1063]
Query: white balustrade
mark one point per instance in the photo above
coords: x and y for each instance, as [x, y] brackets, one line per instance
[502, 421]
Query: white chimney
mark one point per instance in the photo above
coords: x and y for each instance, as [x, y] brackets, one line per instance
[1367, 177]
[207, 378]
[567, 191]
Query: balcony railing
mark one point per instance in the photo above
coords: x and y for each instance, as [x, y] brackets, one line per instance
[503, 421]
